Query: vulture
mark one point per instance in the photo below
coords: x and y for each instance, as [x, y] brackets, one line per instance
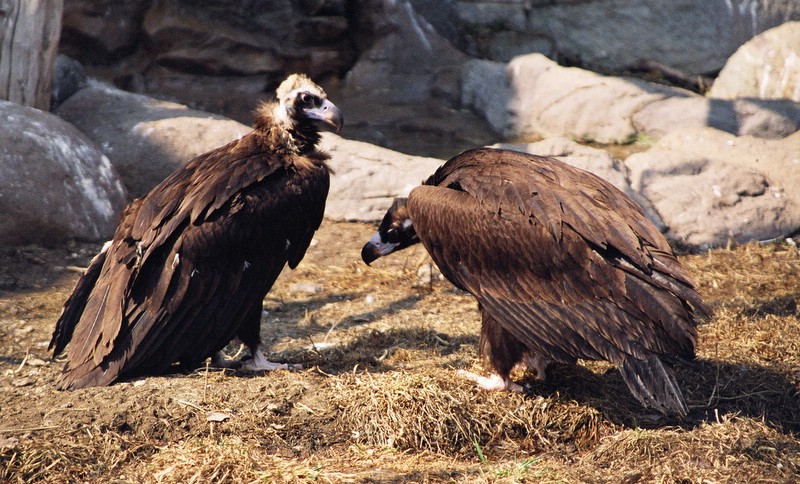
[564, 267]
[191, 261]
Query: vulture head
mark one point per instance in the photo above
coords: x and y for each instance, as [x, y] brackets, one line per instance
[396, 232]
[301, 101]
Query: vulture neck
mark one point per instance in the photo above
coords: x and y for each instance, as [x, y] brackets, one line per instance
[284, 134]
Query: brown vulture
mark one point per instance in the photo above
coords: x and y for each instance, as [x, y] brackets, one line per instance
[563, 265]
[190, 263]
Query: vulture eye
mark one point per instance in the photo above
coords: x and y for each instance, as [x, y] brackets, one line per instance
[306, 99]
[392, 236]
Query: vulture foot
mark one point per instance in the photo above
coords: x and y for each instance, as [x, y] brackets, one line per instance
[492, 383]
[260, 363]
[220, 361]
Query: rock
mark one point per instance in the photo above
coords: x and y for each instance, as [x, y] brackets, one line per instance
[766, 118]
[536, 96]
[145, 139]
[593, 160]
[408, 61]
[767, 66]
[55, 184]
[101, 31]
[694, 36]
[549, 100]
[368, 178]
[211, 37]
[486, 87]
[68, 78]
[711, 187]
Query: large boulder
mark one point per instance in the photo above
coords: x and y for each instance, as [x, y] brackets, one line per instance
[55, 184]
[711, 187]
[146, 139]
[765, 118]
[767, 66]
[532, 95]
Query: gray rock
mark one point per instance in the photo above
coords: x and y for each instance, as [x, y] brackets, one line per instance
[368, 178]
[99, 31]
[695, 36]
[68, 78]
[55, 184]
[408, 61]
[711, 187]
[145, 139]
[766, 118]
[549, 100]
[536, 96]
[211, 37]
[767, 66]
[486, 87]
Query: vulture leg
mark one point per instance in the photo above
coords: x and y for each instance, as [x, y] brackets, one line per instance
[250, 335]
[261, 363]
[502, 351]
[492, 383]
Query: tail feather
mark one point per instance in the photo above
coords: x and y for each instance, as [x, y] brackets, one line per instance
[653, 384]
[76, 303]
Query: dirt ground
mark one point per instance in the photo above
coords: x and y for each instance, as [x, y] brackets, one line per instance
[378, 399]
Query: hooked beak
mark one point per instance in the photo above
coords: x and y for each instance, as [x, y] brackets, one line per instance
[327, 113]
[375, 248]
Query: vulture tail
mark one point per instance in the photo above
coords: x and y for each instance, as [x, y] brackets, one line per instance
[654, 385]
[76, 303]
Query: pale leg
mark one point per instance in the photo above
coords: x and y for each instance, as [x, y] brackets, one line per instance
[493, 382]
[260, 363]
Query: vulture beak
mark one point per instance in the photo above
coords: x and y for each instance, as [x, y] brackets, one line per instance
[328, 113]
[375, 248]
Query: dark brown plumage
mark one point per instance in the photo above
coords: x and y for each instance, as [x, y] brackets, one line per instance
[191, 261]
[564, 266]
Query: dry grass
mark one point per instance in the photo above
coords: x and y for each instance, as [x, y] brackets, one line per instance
[379, 400]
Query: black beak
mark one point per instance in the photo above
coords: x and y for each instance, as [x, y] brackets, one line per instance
[369, 253]
[375, 249]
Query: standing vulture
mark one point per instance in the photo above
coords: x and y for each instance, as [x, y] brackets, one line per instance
[563, 265]
[191, 261]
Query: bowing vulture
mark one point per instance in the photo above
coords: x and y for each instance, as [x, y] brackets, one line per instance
[563, 265]
[191, 261]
